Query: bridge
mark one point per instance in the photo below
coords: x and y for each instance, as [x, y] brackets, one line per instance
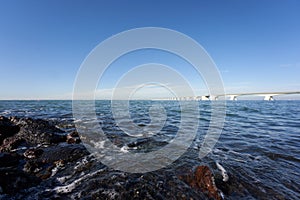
[268, 96]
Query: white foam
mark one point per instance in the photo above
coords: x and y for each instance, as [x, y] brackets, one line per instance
[124, 149]
[83, 163]
[98, 145]
[21, 148]
[55, 170]
[68, 188]
[64, 179]
[223, 171]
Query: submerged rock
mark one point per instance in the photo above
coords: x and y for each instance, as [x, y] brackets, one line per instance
[148, 144]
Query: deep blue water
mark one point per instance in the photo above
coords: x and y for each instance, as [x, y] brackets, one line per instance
[259, 145]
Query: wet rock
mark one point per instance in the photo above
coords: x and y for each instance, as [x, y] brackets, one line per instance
[14, 131]
[49, 150]
[138, 142]
[8, 160]
[11, 143]
[33, 166]
[39, 131]
[202, 178]
[13, 180]
[65, 152]
[7, 128]
[59, 163]
[12, 177]
[148, 144]
[73, 138]
[54, 156]
[74, 134]
[205, 181]
[33, 153]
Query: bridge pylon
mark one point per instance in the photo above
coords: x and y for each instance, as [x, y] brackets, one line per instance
[269, 98]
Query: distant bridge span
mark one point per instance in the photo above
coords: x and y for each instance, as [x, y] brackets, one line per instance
[268, 96]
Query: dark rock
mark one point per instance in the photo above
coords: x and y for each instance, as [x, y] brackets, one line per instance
[53, 156]
[14, 131]
[8, 160]
[147, 143]
[202, 178]
[12, 177]
[7, 128]
[47, 152]
[138, 142]
[74, 134]
[40, 132]
[65, 152]
[13, 180]
[73, 138]
[11, 143]
[33, 166]
[33, 153]
[45, 174]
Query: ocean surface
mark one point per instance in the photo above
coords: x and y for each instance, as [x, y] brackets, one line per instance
[259, 146]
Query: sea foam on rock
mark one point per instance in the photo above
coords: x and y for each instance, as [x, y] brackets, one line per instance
[31, 149]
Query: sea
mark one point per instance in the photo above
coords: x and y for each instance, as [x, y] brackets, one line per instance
[259, 147]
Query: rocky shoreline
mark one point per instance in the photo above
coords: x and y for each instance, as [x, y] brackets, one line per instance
[39, 160]
[30, 151]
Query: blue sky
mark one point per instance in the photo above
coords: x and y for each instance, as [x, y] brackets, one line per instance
[255, 44]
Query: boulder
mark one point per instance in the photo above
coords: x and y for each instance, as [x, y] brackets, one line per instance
[73, 138]
[7, 128]
[8, 160]
[13, 180]
[202, 178]
[11, 143]
[33, 150]
[39, 131]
